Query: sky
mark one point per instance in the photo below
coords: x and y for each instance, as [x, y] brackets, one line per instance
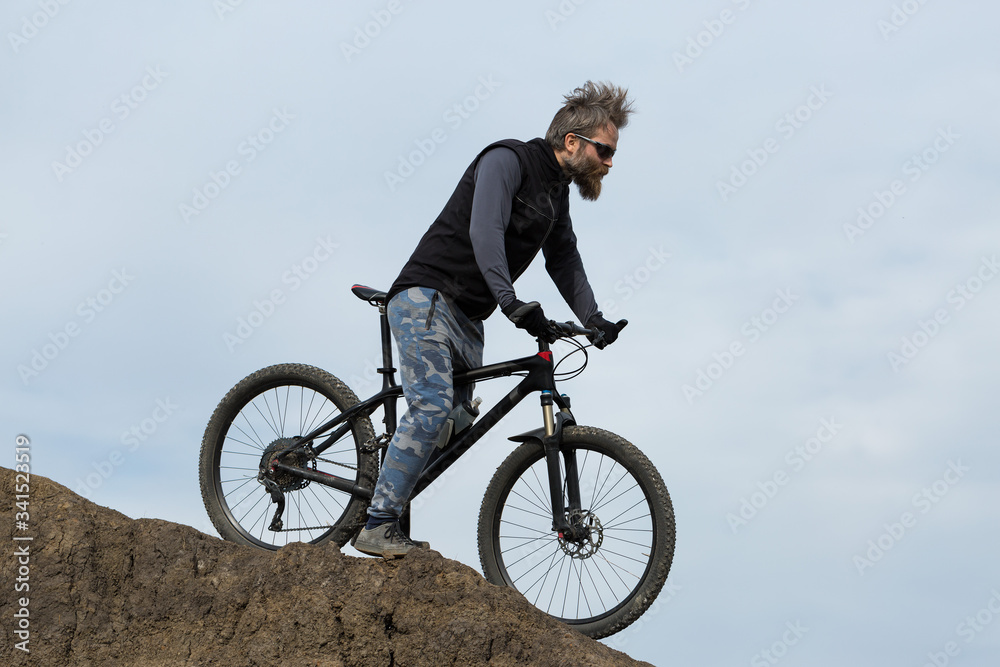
[800, 226]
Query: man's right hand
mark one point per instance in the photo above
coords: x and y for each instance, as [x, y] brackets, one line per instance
[531, 318]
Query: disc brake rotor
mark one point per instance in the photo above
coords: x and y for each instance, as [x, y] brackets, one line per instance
[590, 543]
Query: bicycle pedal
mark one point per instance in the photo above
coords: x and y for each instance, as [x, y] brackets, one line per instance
[380, 442]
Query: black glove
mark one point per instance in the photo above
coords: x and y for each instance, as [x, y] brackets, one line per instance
[531, 318]
[608, 331]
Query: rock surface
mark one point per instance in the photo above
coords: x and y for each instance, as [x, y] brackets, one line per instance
[109, 590]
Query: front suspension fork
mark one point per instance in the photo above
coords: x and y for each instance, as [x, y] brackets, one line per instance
[552, 444]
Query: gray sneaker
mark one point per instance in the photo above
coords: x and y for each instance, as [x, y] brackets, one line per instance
[387, 540]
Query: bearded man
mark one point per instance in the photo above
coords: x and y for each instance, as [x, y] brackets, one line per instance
[512, 201]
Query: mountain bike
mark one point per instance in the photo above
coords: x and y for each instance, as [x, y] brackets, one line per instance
[576, 518]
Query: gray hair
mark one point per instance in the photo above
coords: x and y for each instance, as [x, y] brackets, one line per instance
[589, 108]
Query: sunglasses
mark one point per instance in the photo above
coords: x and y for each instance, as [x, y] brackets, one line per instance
[604, 151]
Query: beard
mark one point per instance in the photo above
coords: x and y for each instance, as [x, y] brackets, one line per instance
[587, 175]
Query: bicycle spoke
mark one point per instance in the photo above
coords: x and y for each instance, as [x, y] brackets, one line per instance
[642, 545]
[319, 417]
[528, 555]
[578, 571]
[544, 504]
[544, 575]
[250, 424]
[512, 523]
[255, 439]
[336, 497]
[269, 420]
[547, 515]
[348, 449]
[616, 526]
[307, 419]
[556, 588]
[545, 570]
[583, 591]
[600, 501]
[286, 413]
[642, 498]
[597, 476]
[566, 588]
[615, 553]
[246, 480]
[254, 507]
[279, 415]
[544, 508]
[251, 445]
[249, 494]
[596, 566]
[308, 503]
[528, 540]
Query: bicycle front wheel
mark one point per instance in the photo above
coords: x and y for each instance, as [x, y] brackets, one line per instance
[599, 583]
[261, 415]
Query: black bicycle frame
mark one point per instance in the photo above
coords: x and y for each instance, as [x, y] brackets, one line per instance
[539, 369]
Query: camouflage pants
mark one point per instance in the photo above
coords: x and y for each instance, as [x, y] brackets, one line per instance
[434, 341]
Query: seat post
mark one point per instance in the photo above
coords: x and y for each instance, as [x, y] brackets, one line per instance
[387, 371]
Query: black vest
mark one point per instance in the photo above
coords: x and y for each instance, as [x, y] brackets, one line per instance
[444, 259]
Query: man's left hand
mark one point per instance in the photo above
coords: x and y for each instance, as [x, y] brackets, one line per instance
[608, 330]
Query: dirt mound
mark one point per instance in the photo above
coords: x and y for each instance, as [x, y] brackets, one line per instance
[103, 589]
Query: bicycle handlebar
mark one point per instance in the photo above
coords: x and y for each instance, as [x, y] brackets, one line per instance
[569, 329]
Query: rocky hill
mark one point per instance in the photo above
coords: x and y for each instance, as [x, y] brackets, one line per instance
[104, 589]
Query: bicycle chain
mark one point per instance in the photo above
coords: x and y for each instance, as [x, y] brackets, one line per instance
[292, 530]
[336, 463]
[370, 447]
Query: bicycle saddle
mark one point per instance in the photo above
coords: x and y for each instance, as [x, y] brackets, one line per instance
[372, 296]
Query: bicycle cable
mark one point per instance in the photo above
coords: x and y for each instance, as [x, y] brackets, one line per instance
[569, 375]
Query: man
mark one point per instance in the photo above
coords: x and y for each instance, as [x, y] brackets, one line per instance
[512, 201]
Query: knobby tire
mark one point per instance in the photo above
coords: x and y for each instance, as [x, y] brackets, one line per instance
[283, 401]
[599, 589]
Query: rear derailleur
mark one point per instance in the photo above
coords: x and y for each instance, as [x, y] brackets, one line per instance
[277, 482]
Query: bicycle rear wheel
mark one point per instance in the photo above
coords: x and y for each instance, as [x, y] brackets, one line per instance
[600, 584]
[260, 415]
